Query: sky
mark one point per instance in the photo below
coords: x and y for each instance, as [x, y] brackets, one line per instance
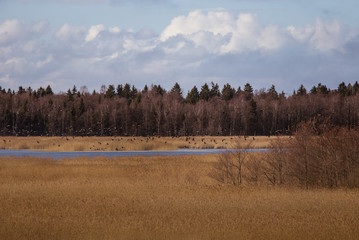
[91, 43]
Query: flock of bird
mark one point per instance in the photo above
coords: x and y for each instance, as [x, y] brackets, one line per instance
[130, 143]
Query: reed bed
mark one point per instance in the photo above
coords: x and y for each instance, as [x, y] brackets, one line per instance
[160, 198]
[129, 143]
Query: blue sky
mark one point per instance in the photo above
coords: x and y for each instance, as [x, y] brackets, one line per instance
[263, 42]
[158, 14]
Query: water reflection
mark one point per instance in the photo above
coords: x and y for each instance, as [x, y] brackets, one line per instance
[57, 155]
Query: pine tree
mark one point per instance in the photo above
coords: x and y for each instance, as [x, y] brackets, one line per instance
[205, 94]
[81, 108]
[248, 91]
[301, 91]
[214, 90]
[119, 90]
[127, 91]
[49, 90]
[272, 92]
[193, 96]
[176, 89]
[110, 93]
[227, 92]
[252, 118]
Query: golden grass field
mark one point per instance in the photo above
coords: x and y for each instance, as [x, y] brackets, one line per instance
[160, 198]
[127, 143]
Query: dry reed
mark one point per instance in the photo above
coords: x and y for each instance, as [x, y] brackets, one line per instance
[160, 198]
[127, 143]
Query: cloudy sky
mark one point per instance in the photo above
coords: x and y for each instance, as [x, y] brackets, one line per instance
[95, 42]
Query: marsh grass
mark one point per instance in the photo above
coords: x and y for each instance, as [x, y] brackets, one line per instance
[160, 198]
[127, 143]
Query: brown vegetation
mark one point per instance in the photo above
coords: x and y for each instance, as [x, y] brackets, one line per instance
[161, 198]
[317, 156]
[128, 143]
[330, 159]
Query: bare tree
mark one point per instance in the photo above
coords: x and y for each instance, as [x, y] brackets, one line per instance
[229, 167]
[275, 162]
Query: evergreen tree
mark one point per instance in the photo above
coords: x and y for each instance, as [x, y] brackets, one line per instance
[119, 90]
[314, 90]
[349, 90]
[74, 90]
[248, 91]
[227, 92]
[176, 89]
[301, 91]
[205, 94]
[133, 92]
[272, 92]
[69, 95]
[81, 109]
[356, 88]
[49, 90]
[41, 92]
[193, 96]
[322, 89]
[158, 89]
[127, 91]
[252, 118]
[342, 89]
[20, 91]
[110, 93]
[239, 91]
[214, 90]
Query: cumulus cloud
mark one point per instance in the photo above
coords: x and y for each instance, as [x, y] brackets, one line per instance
[329, 36]
[301, 34]
[14, 30]
[224, 32]
[193, 49]
[68, 32]
[94, 31]
[220, 22]
[245, 33]
[10, 30]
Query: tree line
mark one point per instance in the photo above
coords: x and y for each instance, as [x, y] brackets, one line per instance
[125, 110]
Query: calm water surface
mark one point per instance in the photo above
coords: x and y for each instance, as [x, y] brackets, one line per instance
[22, 153]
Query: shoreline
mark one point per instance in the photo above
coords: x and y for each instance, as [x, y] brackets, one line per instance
[123, 144]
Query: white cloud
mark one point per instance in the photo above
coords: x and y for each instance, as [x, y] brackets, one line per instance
[301, 34]
[68, 32]
[329, 36]
[114, 30]
[10, 31]
[219, 31]
[245, 35]
[271, 38]
[219, 22]
[94, 31]
[192, 49]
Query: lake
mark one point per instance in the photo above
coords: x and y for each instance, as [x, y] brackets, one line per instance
[57, 155]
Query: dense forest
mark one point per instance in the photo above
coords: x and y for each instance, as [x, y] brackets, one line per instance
[127, 111]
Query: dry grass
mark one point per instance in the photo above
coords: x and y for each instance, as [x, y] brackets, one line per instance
[127, 143]
[160, 198]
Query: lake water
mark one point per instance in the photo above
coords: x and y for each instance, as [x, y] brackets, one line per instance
[57, 155]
